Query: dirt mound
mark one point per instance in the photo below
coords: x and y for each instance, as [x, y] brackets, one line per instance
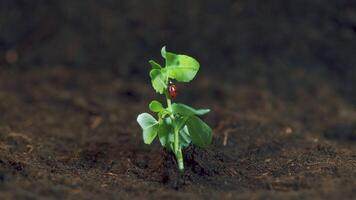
[202, 166]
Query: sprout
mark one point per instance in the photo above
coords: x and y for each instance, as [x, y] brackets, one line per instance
[178, 125]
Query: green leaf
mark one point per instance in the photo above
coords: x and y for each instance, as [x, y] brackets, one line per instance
[163, 51]
[184, 137]
[183, 109]
[179, 122]
[158, 80]
[156, 106]
[154, 65]
[200, 132]
[181, 67]
[165, 133]
[149, 126]
[179, 125]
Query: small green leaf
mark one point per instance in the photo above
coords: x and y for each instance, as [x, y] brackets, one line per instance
[156, 106]
[200, 132]
[163, 51]
[158, 80]
[184, 137]
[181, 67]
[154, 65]
[149, 126]
[179, 122]
[165, 133]
[183, 109]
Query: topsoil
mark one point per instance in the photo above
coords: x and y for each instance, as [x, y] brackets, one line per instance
[72, 134]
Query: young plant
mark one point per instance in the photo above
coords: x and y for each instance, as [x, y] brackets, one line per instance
[178, 125]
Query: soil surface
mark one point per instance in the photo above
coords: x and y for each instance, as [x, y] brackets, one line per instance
[71, 134]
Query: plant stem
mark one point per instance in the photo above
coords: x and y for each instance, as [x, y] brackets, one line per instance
[177, 151]
[179, 157]
[169, 103]
[176, 140]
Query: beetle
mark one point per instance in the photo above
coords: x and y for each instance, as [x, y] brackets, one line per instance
[172, 90]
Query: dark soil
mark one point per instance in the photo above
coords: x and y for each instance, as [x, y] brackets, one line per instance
[71, 134]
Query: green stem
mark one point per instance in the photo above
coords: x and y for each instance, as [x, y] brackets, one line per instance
[177, 151]
[169, 103]
[176, 141]
[179, 157]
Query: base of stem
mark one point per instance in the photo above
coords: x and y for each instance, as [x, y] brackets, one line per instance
[179, 157]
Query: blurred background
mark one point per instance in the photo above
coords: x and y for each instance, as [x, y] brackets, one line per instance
[243, 41]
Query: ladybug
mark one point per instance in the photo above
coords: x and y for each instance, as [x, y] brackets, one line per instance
[172, 90]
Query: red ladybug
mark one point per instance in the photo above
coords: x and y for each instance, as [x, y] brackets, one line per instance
[172, 89]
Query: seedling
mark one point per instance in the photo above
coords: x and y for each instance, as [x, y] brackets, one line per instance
[178, 125]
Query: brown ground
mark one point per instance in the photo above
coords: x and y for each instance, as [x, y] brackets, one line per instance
[71, 134]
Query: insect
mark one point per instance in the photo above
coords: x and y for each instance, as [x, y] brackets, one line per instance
[172, 89]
